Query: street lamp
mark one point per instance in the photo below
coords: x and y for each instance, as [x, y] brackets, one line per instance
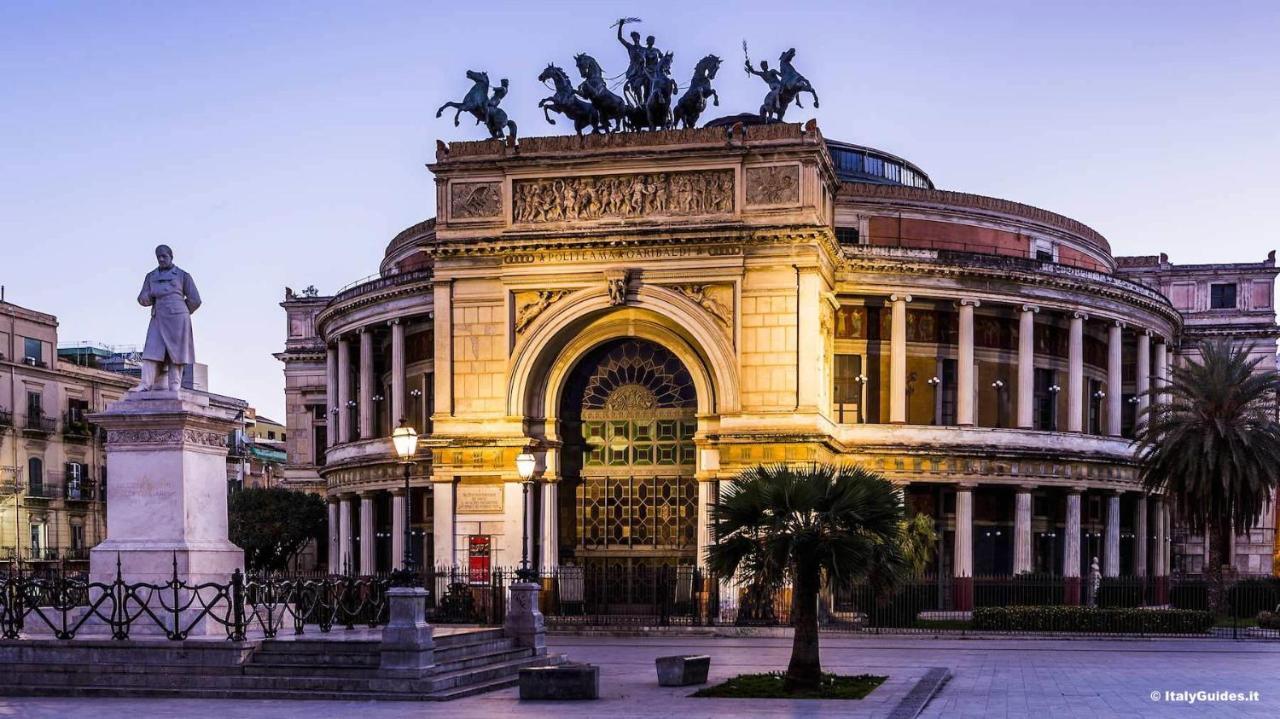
[525, 465]
[405, 441]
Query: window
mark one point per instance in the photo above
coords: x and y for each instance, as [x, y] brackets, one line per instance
[847, 235]
[1128, 415]
[1046, 400]
[38, 538]
[77, 537]
[35, 477]
[1095, 407]
[75, 480]
[271, 434]
[1222, 296]
[77, 409]
[847, 392]
[32, 350]
[35, 404]
[1044, 256]
[947, 393]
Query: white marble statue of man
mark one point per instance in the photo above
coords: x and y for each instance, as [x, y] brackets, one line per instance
[171, 294]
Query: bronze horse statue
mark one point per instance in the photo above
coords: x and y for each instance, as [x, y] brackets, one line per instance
[566, 102]
[610, 105]
[785, 85]
[694, 101]
[482, 107]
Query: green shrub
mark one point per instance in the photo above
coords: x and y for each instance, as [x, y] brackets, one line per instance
[1269, 620]
[1086, 619]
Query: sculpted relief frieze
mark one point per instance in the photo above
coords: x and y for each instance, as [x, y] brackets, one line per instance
[717, 300]
[475, 200]
[531, 304]
[773, 185]
[207, 438]
[657, 194]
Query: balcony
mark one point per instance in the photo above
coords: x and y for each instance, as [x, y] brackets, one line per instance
[42, 554]
[76, 428]
[82, 492]
[38, 425]
[42, 490]
[6, 418]
[76, 554]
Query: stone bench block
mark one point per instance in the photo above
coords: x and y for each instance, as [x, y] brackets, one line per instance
[682, 671]
[565, 681]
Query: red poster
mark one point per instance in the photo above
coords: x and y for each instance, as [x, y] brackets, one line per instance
[478, 558]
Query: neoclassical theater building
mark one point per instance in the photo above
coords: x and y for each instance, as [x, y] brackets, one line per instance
[650, 313]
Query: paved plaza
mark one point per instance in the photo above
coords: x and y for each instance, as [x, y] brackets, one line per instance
[990, 678]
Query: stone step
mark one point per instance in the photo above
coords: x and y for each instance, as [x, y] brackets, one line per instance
[194, 693]
[470, 689]
[280, 667]
[448, 680]
[477, 635]
[368, 660]
[466, 651]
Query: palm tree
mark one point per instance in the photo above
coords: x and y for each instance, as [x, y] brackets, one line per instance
[803, 524]
[1214, 448]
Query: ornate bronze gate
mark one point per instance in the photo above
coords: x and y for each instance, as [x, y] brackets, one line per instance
[629, 423]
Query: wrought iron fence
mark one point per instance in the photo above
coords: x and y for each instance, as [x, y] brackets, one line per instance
[64, 604]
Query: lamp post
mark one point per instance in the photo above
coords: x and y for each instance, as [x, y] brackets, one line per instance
[525, 465]
[405, 441]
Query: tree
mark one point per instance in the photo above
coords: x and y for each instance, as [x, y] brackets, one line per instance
[919, 542]
[1214, 449]
[803, 524]
[273, 525]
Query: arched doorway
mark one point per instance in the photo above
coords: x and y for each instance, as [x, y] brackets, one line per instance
[628, 499]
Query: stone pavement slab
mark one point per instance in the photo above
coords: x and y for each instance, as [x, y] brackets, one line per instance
[990, 678]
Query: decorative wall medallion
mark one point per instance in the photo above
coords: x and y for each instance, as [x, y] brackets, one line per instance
[617, 285]
[773, 185]
[471, 200]
[709, 298]
[631, 397]
[531, 304]
[664, 194]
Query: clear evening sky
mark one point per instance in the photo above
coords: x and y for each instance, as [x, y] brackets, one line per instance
[282, 144]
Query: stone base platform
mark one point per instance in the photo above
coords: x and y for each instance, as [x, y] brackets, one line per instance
[341, 664]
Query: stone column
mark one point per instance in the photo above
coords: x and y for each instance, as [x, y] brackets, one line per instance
[1166, 549]
[707, 491]
[367, 542]
[963, 589]
[397, 372]
[1071, 549]
[344, 391]
[1022, 561]
[1075, 373]
[1162, 369]
[964, 366]
[550, 557]
[524, 622]
[345, 561]
[1111, 545]
[898, 359]
[1114, 380]
[443, 349]
[810, 344]
[1026, 366]
[397, 528]
[365, 400]
[335, 537]
[1143, 379]
[331, 393]
[1162, 537]
[442, 524]
[1141, 537]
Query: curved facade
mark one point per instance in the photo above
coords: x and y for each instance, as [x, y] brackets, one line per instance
[651, 313]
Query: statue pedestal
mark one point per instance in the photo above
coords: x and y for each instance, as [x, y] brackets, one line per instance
[167, 469]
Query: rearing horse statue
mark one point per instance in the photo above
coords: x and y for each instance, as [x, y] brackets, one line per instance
[566, 102]
[482, 107]
[610, 105]
[694, 101]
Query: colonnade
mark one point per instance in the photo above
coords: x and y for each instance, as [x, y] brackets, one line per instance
[343, 532]
[338, 385]
[966, 377]
[1157, 508]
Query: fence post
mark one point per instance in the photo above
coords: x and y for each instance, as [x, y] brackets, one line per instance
[237, 606]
